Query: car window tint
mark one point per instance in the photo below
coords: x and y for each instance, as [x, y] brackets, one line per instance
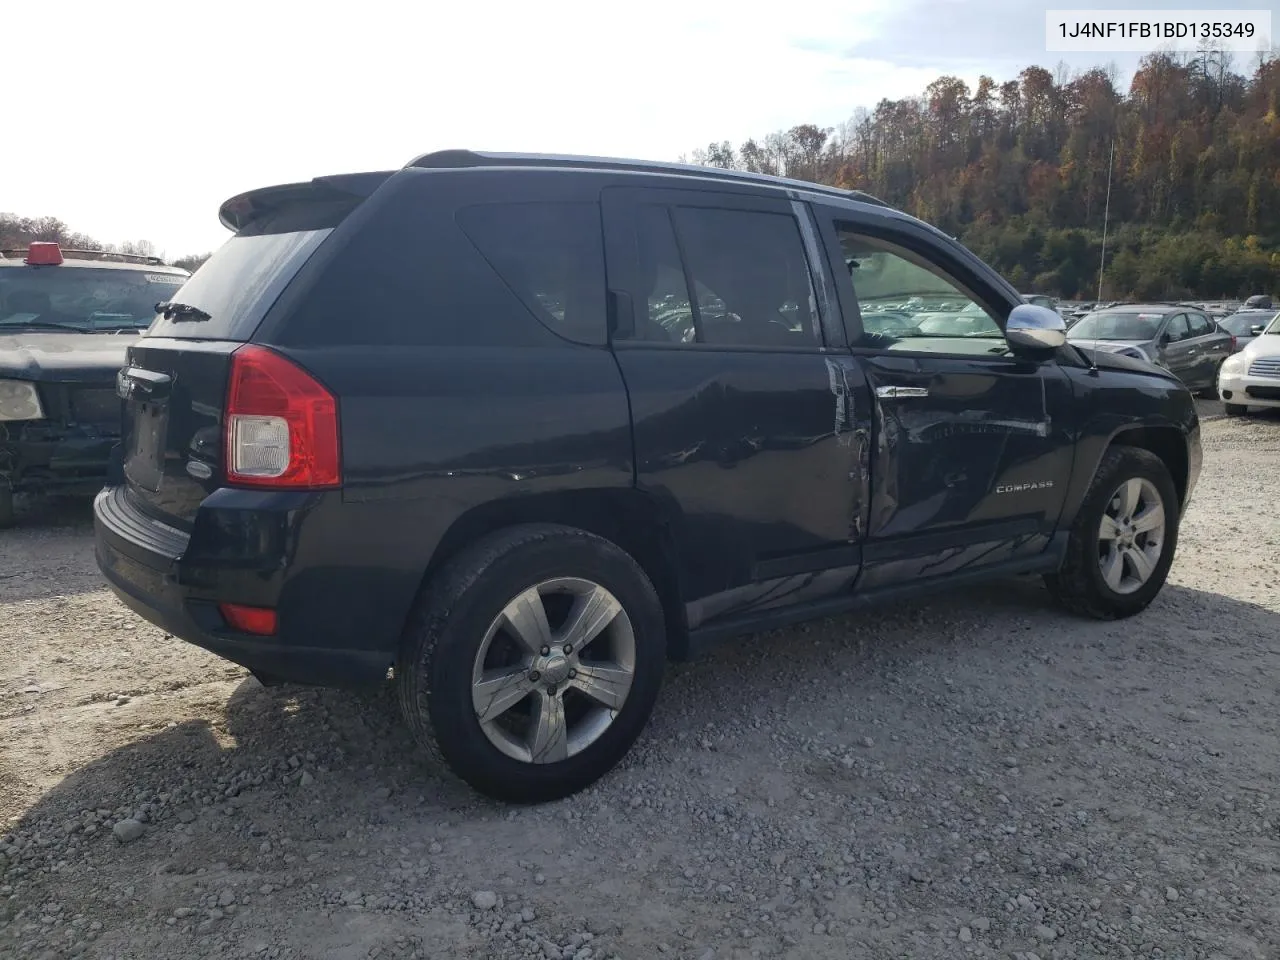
[1178, 328]
[1200, 325]
[750, 278]
[908, 303]
[664, 311]
[551, 255]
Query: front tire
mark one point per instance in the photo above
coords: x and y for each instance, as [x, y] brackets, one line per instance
[1123, 540]
[533, 662]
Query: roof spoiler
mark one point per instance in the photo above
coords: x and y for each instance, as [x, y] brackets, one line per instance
[347, 190]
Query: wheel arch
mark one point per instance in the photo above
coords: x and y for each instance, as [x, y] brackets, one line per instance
[632, 520]
[1165, 440]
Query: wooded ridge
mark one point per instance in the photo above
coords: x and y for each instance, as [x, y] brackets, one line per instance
[1018, 171]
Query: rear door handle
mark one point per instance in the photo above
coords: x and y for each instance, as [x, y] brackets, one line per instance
[888, 393]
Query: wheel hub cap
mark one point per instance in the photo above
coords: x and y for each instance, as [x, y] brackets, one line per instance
[554, 669]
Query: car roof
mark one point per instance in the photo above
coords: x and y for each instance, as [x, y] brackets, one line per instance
[95, 259]
[471, 159]
[1141, 308]
[240, 209]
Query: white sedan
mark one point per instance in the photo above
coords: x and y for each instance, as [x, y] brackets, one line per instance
[1251, 378]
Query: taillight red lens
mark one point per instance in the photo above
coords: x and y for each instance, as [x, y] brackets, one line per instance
[1233, 343]
[281, 425]
[257, 620]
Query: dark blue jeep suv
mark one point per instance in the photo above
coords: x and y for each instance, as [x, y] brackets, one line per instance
[514, 430]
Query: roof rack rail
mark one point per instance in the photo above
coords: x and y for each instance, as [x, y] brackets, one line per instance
[446, 159]
[21, 252]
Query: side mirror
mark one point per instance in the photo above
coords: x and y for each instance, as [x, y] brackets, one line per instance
[1256, 330]
[1035, 329]
[1166, 339]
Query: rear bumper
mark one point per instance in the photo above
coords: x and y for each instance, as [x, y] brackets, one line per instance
[146, 564]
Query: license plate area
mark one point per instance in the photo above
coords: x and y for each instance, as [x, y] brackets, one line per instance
[146, 426]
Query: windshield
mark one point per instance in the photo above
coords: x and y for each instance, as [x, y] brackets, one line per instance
[82, 298]
[1116, 325]
[1274, 328]
[1242, 324]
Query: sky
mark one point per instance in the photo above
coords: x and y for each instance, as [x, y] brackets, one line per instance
[135, 120]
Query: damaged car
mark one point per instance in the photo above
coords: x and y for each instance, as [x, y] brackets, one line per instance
[66, 319]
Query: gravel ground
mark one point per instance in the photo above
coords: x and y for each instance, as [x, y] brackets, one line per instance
[978, 776]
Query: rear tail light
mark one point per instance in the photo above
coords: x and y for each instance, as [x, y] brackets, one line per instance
[281, 425]
[1233, 343]
[256, 620]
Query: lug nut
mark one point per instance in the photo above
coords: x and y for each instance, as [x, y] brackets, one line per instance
[572, 674]
[568, 648]
[545, 651]
[534, 675]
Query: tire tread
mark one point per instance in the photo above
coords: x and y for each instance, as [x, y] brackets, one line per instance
[1071, 585]
[437, 603]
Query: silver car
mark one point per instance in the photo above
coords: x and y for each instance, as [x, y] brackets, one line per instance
[1246, 324]
[1180, 338]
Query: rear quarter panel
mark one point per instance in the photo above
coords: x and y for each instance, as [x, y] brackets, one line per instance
[469, 401]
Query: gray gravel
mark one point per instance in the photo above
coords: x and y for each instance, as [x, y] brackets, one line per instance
[977, 776]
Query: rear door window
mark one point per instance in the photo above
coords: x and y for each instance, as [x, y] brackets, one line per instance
[1178, 328]
[238, 284]
[750, 277]
[722, 277]
[1201, 326]
[551, 256]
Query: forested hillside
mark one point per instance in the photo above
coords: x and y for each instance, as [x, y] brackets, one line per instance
[1018, 171]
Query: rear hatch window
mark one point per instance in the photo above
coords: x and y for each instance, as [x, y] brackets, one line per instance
[234, 288]
[176, 379]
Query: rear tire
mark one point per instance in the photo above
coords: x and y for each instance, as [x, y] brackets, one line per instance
[1123, 540]
[475, 644]
[1235, 409]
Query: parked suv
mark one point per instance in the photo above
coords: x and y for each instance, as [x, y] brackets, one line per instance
[516, 429]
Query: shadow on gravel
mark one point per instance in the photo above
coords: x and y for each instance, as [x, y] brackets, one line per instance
[355, 752]
[35, 513]
[289, 779]
[35, 563]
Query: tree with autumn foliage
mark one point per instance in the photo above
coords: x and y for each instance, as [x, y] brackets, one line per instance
[1018, 170]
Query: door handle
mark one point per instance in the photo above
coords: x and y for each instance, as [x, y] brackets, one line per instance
[886, 393]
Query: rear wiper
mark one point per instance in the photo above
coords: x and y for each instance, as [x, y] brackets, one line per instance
[178, 312]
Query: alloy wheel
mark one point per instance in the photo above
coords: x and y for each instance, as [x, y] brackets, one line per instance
[1131, 535]
[554, 670]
